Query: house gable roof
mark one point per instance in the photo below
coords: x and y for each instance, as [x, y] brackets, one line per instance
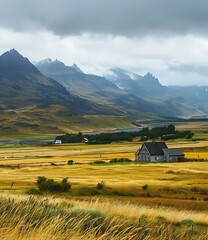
[173, 152]
[155, 148]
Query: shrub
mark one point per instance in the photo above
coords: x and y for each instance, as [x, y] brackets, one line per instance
[65, 185]
[101, 185]
[119, 160]
[193, 198]
[50, 185]
[170, 171]
[99, 162]
[70, 162]
[145, 187]
[41, 179]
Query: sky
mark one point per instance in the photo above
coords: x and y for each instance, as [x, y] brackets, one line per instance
[167, 38]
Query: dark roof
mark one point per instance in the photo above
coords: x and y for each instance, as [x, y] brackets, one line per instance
[173, 152]
[155, 148]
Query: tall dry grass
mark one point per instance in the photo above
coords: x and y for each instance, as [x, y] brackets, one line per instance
[39, 218]
[135, 212]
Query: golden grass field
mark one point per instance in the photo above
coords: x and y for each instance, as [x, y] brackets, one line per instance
[29, 162]
[57, 218]
[173, 206]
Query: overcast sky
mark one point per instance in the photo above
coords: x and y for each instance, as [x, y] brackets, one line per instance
[167, 38]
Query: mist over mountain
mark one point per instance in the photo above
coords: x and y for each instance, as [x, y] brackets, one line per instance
[146, 86]
[97, 89]
[170, 101]
[128, 92]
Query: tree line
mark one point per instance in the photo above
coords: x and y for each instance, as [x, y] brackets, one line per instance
[164, 133]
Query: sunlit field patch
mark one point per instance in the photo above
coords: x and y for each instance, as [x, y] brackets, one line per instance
[197, 155]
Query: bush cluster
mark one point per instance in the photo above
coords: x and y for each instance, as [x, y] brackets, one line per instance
[99, 162]
[45, 184]
[118, 160]
[185, 134]
[165, 133]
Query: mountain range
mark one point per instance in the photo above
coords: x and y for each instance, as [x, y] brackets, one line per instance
[22, 84]
[177, 101]
[50, 96]
[129, 92]
[98, 90]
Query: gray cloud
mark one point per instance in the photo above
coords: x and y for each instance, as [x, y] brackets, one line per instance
[116, 17]
[189, 68]
[167, 38]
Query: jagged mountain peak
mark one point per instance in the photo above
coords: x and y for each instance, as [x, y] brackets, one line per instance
[12, 61]
[119, 73]
[49, 66]
[12, 54]
[151, 79]
[149, 74]
[45, 61]
[49, 61]
[13, 51]
[22, 84]
[76, 68]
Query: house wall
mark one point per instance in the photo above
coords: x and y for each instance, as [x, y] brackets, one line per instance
[168, 158]
[143, 155]
[173, 159]
[159, 158]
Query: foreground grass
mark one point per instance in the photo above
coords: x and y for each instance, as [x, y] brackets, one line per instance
[41, 218]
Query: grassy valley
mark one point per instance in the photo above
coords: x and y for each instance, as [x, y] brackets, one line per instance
[136, 201]
[83, 191]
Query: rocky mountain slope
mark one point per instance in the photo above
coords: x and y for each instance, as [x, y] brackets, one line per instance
[23, 84]
[96, 89]
[189, 101]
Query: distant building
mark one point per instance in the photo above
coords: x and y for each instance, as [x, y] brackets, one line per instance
[58, 141]
[158, 152]
[85, 140]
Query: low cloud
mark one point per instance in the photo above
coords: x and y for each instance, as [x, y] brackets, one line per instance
[126, 18]
[167, 38]
[188, 68]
